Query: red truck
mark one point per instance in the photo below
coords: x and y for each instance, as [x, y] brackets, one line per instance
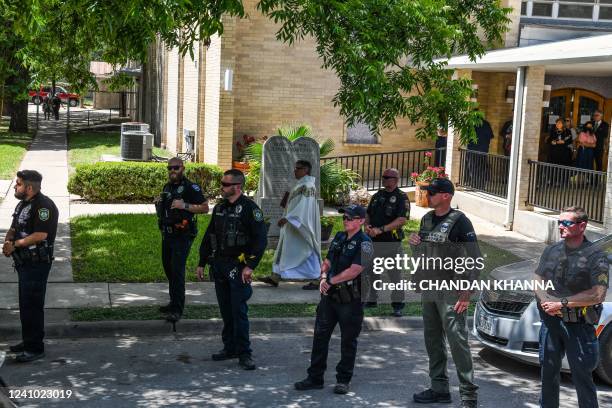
[65, 96]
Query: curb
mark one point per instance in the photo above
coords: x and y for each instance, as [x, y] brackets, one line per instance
[117, 328]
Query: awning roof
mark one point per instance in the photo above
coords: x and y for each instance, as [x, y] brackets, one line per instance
[590, 56]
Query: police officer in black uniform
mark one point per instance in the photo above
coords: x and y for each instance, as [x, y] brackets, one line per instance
[176, 207]
[340, 284]
[578, 270]
[233, 245]
[30, 242]
[388, 211]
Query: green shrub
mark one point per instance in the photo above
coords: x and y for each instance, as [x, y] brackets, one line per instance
[111, 182]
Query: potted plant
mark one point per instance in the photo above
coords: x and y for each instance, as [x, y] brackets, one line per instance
[240, 163]
[327, 225]
[423, 179]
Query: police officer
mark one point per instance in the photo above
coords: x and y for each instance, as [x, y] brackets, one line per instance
[56, 102]
[233, 245]
[179, 201]
[579, 273]
[387, 213]
[349, 253]
[30, 242]
[446, 233]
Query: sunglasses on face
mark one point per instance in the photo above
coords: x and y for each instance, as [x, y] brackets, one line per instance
[170, 168]
[349, 218]
[388, 177]
[224, 184]
[300, 168]
[567, 223]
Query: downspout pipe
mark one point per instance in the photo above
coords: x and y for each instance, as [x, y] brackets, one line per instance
[517, 130]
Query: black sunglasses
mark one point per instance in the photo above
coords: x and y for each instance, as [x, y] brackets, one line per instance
[349, 218]
[224, 184]
[389, 177]
[300, 168]
[170, 168]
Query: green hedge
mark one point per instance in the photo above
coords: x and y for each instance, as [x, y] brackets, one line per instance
[128, 182]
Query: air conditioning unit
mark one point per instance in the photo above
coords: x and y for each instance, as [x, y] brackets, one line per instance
[131, 126]
[136, 145]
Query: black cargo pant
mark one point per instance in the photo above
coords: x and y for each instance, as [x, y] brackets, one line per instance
[32, 290]
[350, 318]
[175, 250]
[232, 296]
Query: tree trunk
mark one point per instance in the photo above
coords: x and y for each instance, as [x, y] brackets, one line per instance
[18, 101]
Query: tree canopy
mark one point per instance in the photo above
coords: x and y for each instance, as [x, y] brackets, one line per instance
[386, 53]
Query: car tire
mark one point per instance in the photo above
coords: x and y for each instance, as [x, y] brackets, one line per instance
[604, 369]
[73, 103]
[36, 100]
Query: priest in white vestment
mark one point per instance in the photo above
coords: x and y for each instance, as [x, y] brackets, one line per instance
[298, 254]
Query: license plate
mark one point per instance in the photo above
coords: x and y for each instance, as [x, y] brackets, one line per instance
[486, 323]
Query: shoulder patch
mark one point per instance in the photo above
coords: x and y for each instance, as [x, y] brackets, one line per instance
[258, 215]
[367, 247]
[195, 187]
[602, 278]
[43, 214]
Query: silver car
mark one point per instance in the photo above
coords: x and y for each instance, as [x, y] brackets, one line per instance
[509, 321]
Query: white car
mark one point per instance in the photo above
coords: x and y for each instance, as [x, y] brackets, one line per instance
[509, 321]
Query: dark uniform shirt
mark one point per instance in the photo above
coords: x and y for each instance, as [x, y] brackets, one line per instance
[385, 207]
[345, 252]
[573, 270]
[37, 215]
[185, 190]
[461, 232]
[238, 229]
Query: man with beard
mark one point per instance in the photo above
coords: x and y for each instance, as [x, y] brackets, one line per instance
[30, 242]
[179, 201]
[233, 245]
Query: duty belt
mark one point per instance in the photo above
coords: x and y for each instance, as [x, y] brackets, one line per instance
[39, 254]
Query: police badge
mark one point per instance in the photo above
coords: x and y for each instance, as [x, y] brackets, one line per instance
[393, 199]
[180, 189]
[238, 209]
[444, 227]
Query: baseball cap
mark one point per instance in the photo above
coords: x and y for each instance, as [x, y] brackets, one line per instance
[441, 185]
[353, 210]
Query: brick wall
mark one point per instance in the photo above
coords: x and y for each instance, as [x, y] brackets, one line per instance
[530, 135]
[171, 94]
[211, 101]
[492, 102]
[190, 94]
[275, 84]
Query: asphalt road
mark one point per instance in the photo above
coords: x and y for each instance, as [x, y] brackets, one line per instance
[177, 371]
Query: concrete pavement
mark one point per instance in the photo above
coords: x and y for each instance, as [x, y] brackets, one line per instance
[177, 371]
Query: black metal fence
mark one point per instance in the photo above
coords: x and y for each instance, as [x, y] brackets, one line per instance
[371, 166]
[484, 172]
[554, 187]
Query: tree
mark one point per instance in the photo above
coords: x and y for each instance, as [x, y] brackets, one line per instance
[388, 55]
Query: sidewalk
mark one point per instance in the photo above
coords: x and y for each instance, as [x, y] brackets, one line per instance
[48, 155]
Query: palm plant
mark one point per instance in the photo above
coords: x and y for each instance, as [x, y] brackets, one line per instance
[335, 180]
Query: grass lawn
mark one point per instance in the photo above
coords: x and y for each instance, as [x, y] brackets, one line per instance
[13, 147]
[212, 312]
[87, 147]
[127, 248]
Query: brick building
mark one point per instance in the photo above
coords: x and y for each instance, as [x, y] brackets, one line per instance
[247, 82]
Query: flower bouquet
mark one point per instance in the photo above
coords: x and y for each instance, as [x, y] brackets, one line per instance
[423, 179]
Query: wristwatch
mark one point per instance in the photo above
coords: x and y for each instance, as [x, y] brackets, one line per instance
[564, 302]
[323, 276]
